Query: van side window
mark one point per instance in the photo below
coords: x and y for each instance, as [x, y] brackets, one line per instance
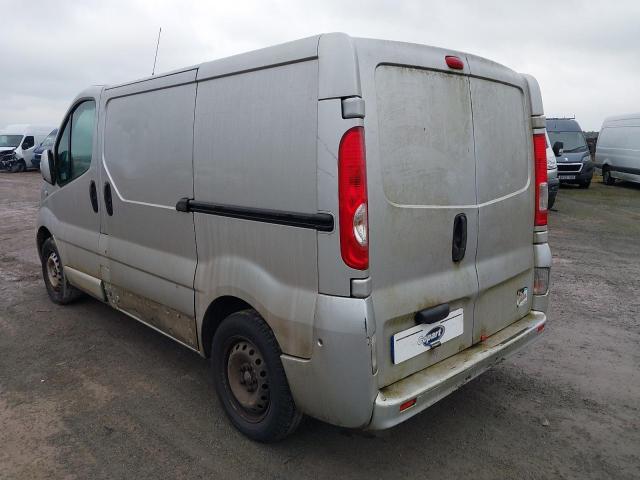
[73, 154]
[62, 154]
[28, 142]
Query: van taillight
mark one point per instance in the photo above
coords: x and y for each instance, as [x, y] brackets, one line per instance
[352, 197]
[542, 188]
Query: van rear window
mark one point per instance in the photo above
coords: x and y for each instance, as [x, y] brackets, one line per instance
[425, 137]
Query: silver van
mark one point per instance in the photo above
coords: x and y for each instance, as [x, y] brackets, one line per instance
[346, 238]
[618, 149]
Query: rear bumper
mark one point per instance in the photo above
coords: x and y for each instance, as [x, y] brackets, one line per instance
[436, 382]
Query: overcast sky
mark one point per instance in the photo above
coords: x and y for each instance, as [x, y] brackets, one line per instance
[585, 54]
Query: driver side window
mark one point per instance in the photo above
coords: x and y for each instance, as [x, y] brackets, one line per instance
[28, 143]
[74, 149]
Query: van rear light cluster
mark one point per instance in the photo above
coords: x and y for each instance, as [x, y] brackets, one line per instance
[541, 280]
[352, 198]
[542, 187]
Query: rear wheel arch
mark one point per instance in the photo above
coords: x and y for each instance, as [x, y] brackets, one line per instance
[217, 311]
[607, 179]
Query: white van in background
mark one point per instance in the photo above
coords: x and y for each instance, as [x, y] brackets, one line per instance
[17, 143]
[618, 149]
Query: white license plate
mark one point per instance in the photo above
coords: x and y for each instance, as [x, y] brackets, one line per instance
[567, 177]
[421, 338]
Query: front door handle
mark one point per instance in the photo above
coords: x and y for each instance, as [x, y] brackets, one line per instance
[93, 195]
[459, 244]
[108, 202]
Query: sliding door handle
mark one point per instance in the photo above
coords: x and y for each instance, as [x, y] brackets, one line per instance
[108, 201]
[93, 196]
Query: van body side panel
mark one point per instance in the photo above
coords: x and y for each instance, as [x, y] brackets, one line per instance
[504, 155]
[255, 147]
[150, 253]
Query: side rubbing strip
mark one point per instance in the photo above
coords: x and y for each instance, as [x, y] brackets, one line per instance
[322, 222]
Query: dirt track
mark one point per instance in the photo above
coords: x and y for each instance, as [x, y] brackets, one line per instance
[85, 392]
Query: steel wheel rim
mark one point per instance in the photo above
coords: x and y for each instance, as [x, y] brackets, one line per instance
[54, 271]
[248, 379]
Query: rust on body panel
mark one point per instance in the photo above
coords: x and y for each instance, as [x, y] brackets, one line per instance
[176, 324]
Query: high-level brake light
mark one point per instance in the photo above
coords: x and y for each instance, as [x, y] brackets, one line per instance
[454, 62]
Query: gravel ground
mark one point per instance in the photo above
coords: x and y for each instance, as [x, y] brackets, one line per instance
[85, 392]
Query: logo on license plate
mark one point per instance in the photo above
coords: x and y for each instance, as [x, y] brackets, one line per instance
[522, 296]
[432, 336]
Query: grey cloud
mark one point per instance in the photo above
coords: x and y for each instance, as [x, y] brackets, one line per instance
[584, 54]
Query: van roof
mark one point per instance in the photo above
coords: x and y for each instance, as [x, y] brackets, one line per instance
[252, 60]
[629, 119]
[563, 125]
[339, 68]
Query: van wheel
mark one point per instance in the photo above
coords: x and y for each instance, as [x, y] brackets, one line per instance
[19, 166]
[607, 179]
[58, 288]
[250, 380]
[585, 184]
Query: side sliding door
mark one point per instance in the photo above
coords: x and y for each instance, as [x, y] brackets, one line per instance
[149, 248]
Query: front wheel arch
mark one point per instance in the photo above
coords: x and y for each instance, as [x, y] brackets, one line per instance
[42, 235]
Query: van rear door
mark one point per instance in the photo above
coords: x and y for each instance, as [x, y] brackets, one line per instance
[504, 177]
[422, 178]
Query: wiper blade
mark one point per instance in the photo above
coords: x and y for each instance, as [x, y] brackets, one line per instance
[574, 149]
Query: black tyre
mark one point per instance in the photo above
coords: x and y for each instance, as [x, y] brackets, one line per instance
[607, 179]
[551, 200]
[19, 166]
[250, 380]
[585, 184]
[58, 288]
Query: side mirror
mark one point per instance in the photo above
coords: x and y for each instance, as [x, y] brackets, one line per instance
[557, 148]
[47, 167]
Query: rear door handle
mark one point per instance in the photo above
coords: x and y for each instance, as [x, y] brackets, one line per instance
[433, 314]
[93, 195]
[108, 202]
[459, 243]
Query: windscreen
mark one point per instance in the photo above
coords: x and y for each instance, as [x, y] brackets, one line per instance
[49, 141]
[10, 140]
[572, 141]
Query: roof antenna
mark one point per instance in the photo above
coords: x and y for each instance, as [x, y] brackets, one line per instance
[156, 57]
